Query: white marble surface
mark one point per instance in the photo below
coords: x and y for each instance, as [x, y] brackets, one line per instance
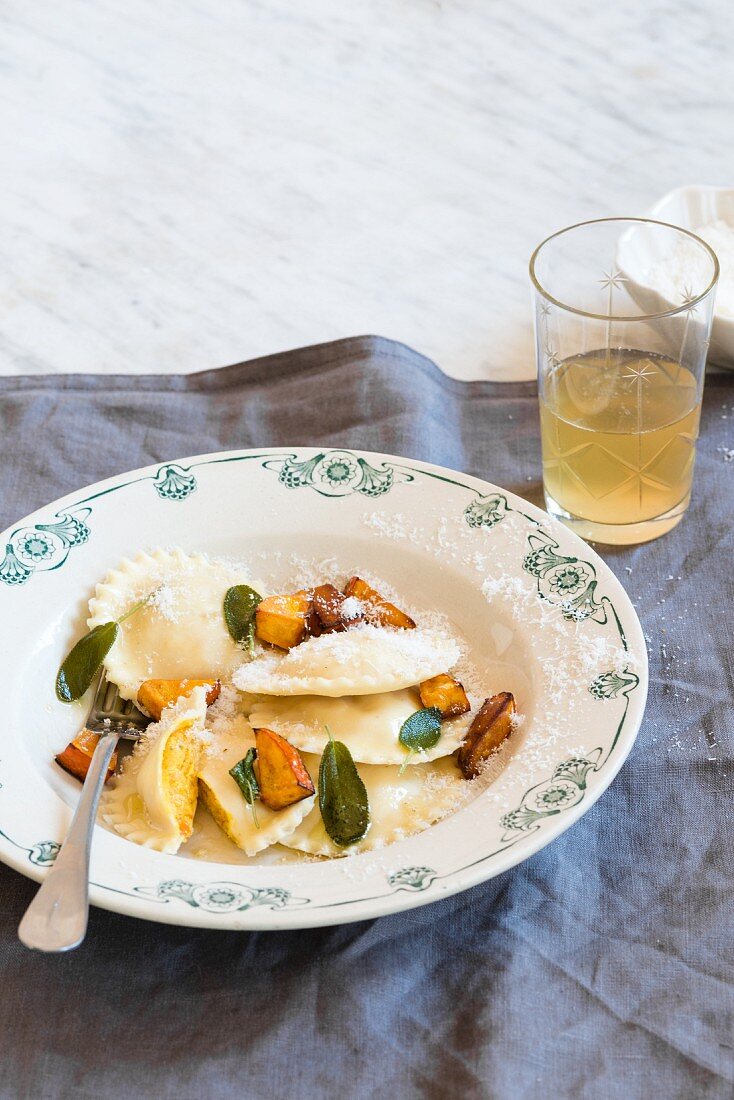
[188, 183]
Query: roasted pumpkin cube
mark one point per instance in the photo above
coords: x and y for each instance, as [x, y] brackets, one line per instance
[77, 756]
[446, 693]
[493, 724]
[313, 622]
[155, 695]
[283, 621]
[281, 773]
[329, 605]
[378, 609]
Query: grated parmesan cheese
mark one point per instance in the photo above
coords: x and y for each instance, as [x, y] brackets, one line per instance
[352, 608]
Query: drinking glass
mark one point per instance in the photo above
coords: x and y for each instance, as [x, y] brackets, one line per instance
[623, 311]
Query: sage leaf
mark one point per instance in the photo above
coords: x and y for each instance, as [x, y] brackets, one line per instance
[240, 605]
[83, 662]
[422, 730]
[343, 802]
[244, 776]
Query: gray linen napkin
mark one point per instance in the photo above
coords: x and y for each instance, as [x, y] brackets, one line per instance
[601, 967]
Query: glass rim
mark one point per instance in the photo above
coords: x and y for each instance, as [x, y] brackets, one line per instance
[622, 316]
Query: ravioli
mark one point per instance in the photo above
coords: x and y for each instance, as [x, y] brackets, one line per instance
[153, 801]
[181, 633]
[400, 805]
[225, 802]
[369, 725]
[363, 661]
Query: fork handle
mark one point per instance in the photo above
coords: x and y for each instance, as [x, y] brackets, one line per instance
[56, 919]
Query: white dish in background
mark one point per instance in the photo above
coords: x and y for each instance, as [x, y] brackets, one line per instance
[540, 612]
[691, 208]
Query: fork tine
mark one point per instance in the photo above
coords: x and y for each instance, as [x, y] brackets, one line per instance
[110, 712]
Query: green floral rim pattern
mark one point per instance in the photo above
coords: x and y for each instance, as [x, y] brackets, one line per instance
[174, 482]
[337, 474]
[412, 878]
[45, 546]
[221, 897]
[487, 511]
[565, 788]
[566, 582]
[41, 854]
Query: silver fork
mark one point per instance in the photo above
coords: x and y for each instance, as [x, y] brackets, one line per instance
[56, 919]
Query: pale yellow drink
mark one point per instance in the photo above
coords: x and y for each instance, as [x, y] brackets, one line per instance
[619, 430]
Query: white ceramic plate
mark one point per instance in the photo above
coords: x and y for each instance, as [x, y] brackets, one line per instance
[689, 207]
[544, 616]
